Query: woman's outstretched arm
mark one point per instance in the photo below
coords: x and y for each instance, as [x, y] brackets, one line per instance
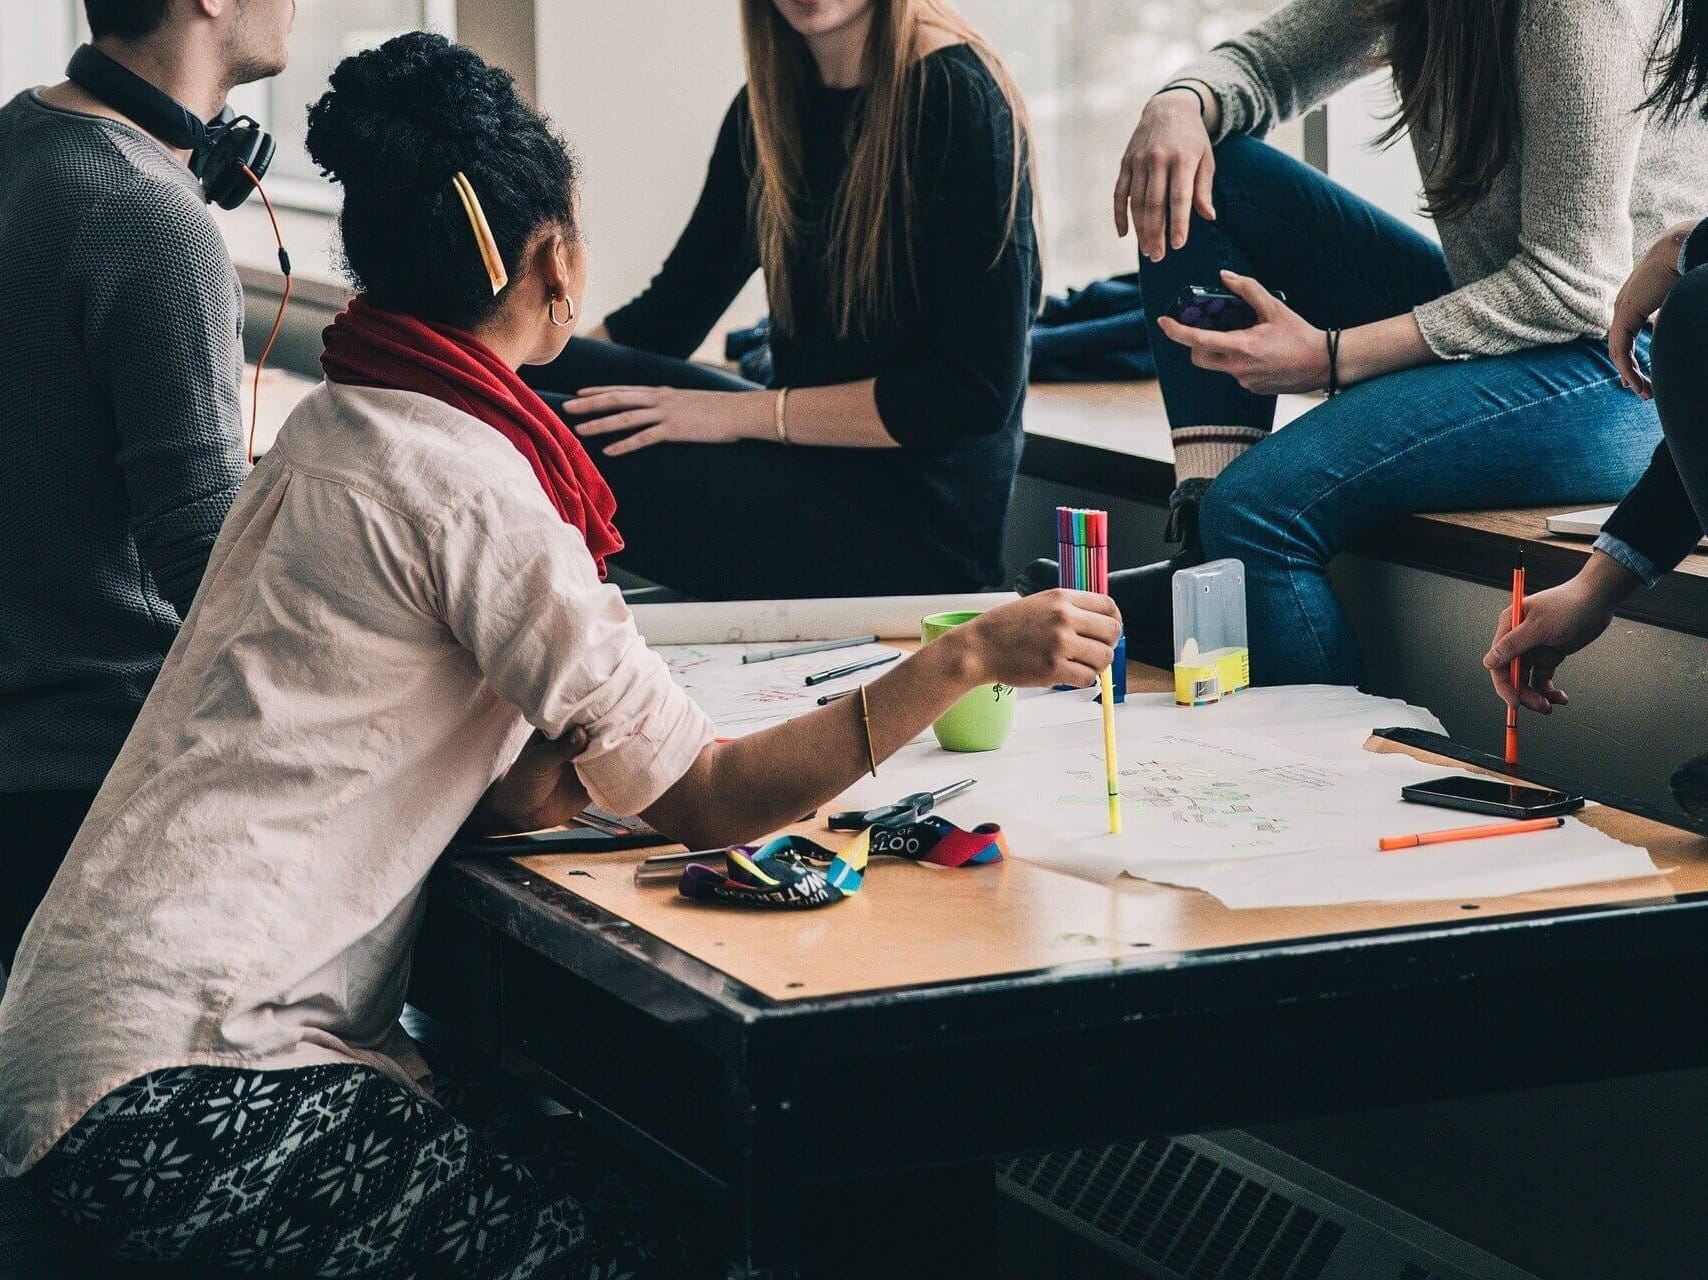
[755, 785]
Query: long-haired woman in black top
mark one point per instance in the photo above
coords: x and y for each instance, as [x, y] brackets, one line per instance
[876, 168]
[1665, 516]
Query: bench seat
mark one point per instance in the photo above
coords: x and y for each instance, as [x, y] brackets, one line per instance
[1111, 439]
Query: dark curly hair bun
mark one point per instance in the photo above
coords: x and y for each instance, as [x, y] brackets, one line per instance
[395, 126]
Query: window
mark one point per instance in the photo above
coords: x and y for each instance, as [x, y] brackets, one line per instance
[1086, 68]
[326, 32]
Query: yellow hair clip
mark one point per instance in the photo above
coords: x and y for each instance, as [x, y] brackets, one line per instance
[482, 232]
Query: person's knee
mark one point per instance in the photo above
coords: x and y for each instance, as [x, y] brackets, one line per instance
[1681, 330]
[1249, 168]
[1233, 514]
[1240, 153]
[1251, 512]
[1246, 169]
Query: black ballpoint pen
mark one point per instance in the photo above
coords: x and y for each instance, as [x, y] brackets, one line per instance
[850, 669]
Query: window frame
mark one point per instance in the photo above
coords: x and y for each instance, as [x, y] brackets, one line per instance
[311, 195]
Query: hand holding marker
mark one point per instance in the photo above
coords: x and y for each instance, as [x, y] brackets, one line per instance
[1084, 536]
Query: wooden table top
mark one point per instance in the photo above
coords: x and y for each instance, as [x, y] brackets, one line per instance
[915, 925]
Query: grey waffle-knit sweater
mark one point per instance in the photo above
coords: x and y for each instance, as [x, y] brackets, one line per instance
[120, 442]
[1592, 181]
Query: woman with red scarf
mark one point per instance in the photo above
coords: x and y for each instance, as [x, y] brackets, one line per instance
[403, 621]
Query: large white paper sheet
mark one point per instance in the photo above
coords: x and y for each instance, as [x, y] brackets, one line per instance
[1265, 800]
[744, 699]
[768, 621]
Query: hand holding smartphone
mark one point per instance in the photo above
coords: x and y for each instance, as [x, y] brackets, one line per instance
[1214, 309]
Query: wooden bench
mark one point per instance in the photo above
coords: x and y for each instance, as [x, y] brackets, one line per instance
[1111, 439]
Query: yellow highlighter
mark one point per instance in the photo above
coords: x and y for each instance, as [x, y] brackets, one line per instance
[1106, 686]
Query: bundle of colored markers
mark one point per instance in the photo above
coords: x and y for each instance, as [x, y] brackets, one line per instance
[1082, 548]
[1082, 551]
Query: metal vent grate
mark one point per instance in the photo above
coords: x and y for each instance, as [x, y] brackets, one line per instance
[1229, 1207]
[1181, 1211]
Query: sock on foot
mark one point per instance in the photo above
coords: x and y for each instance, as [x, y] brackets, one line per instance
[1202, 453]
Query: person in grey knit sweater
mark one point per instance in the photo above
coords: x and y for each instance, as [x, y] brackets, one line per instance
[1474, 374]
[121, 444]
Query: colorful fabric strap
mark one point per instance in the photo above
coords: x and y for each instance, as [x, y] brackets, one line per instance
[792, 872]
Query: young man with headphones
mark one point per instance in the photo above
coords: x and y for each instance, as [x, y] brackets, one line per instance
[121, 442]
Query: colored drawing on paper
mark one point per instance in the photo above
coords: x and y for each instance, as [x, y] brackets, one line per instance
[1188, 794]
[685, 660]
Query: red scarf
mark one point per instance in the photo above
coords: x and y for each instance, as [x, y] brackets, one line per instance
[370, 347]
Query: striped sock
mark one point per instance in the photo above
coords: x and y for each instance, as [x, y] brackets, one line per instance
[1203, 452]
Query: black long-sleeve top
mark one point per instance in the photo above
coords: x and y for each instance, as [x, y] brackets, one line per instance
[1657, 520]
[950, 368]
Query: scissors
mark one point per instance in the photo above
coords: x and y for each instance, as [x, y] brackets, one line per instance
[907, 809]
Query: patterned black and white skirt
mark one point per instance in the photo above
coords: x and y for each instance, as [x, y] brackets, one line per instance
[335, 1171]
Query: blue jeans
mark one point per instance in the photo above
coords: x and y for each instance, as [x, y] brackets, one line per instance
[1543, 427]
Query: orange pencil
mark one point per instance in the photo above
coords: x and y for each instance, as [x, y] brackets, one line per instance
[1517, 674]
[1390, 843]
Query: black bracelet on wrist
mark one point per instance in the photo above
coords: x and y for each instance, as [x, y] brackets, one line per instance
[1203, 106]
[1332, 336]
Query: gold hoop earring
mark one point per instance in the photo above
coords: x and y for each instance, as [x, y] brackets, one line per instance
[568, 312]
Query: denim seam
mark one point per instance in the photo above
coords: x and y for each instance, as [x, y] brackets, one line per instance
[1292, 585]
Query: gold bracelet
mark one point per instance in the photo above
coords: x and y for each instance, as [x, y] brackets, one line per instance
[866, 719]
[782, 419]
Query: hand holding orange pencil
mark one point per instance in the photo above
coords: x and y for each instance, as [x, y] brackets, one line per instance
[1517, 662]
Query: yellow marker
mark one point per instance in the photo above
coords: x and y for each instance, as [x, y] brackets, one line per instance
[1106, 686]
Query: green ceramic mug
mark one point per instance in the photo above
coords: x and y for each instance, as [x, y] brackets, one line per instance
[980, 721]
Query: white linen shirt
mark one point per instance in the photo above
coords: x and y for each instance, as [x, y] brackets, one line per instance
[391, 605]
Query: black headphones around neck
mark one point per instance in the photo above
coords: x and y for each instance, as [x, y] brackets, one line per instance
[220, 149]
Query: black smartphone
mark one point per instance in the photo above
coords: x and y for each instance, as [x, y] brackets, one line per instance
[1199, 308]
[1492, 796]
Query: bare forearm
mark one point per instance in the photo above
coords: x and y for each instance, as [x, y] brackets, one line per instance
[1387, 346]
[842, 416]
[845, 416]
[755, 785]
[1605, 580]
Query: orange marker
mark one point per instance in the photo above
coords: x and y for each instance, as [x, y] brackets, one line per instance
[1390, 843]
[1517, 674]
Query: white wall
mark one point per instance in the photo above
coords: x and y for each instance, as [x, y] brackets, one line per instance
[639, 88]
[36, 38]
[1388, 177]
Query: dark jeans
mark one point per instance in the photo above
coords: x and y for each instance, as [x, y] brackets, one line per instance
[1681, 384]
[1541, 427]
[36, 828]
[1661, 520]
[744, 521]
